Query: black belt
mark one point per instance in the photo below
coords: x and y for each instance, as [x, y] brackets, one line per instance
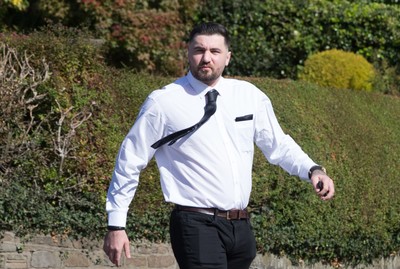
[234, 214]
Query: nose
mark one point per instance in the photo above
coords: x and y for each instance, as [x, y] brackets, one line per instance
[207, 56]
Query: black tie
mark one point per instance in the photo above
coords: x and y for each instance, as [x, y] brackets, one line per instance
[209, 110]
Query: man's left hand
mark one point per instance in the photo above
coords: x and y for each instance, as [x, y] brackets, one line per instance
[328, 188]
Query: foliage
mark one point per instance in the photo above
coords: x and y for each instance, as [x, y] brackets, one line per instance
[28, 209]
[46, 136]
[17, 4]
[32, 176]
[353, 133]
[59, 102]
[270, 38]
[73, 94]
[38, 13]
[18, 105]
[338, 69]
[141, 36]
[387, 79]
[273, 38]
[146, 35]
[350, 133]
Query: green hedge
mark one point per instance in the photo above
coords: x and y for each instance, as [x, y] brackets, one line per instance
[270, 38]
[274, 38]
[354, 134]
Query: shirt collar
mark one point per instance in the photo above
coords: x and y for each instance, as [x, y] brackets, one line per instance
[200, 87]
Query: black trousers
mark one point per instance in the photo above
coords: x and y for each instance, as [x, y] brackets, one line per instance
[210, 242]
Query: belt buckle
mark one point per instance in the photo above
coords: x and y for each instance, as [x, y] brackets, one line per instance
[232, 214]
[228, 217]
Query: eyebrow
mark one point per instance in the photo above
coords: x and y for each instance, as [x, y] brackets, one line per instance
[199, 47]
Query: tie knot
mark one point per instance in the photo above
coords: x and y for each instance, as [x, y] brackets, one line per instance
[212, 95]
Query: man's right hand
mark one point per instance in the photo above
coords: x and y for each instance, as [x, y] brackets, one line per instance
[114, 243]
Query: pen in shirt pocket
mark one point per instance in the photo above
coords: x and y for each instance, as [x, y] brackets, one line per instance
[244, 118]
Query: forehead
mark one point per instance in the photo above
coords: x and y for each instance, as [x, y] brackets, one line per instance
[208, 41]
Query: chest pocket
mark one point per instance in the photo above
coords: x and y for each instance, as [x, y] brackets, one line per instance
[244, 126]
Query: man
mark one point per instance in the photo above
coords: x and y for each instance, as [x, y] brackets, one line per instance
[205, 168]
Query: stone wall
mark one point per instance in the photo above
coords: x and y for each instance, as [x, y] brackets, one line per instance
[64, 253]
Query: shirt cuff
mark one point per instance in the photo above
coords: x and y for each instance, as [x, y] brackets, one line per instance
[304, 172]
[117, 218]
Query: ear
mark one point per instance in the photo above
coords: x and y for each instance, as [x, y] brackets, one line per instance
[228, 58]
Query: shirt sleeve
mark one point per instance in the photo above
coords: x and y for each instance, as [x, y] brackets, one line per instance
[133, 156]
[278, 147]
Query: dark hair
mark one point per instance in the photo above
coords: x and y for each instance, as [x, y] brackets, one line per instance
[210, 28]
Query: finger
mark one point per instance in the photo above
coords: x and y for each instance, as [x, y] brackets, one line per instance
[127, 250]
[113, 255]
[319, 187]
[329, 194]
[108, 252]
[117, 258]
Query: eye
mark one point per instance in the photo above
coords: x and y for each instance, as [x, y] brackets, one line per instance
[215, 51]
[198, 50]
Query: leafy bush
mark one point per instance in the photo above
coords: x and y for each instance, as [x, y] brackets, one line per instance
[73, 94]
[348, 132]
[34, 185]
[140, 36]
[17, 4]
[270, 38]
[60, 135]
[20, 124]
[28, 210]
[47, 142]
[338, 69]
[353, 133]
[273, 38]
[387, 79]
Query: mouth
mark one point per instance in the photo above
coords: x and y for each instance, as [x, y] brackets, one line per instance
[204, 68]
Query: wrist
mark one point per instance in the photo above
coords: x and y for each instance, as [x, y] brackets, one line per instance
[115, 228]
[316, 168]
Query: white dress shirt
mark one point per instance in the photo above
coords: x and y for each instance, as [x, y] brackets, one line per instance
[211, 167]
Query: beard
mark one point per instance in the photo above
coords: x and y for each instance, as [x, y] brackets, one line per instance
[206, 76]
